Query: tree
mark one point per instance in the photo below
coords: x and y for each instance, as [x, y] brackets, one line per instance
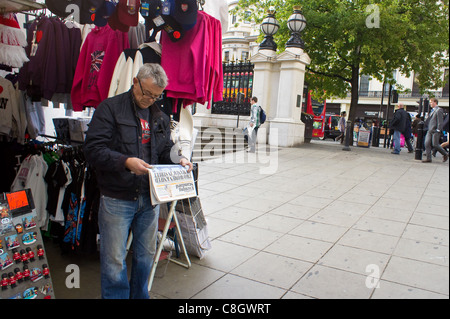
[347, 38]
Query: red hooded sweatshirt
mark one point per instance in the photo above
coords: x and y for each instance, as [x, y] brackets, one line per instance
[96, 63]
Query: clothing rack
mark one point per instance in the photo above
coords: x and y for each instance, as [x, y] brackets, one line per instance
[61, 141]
[58, 146]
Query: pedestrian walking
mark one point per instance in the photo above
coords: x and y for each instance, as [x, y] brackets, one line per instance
[401, 124]
[341, 126]
[254, 125]
[434, 121]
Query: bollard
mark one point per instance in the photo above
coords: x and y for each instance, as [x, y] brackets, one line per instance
[385, 134]
[419, 142]
[348, 132]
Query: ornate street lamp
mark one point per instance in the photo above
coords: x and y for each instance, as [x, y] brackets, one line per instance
[296, 23]
[269, 27]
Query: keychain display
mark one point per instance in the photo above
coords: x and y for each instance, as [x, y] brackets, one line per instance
[24, 269]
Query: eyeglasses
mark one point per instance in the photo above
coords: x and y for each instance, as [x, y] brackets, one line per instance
[149, 96]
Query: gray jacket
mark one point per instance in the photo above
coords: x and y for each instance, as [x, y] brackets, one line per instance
[435, 120]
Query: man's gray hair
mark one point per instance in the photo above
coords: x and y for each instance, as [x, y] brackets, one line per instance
[155, 72]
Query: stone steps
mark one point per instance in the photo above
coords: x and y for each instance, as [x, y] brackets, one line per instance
[213, 142]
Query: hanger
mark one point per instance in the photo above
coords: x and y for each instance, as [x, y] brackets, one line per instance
[200, 4]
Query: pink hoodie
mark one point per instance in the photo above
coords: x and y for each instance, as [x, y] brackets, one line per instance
[95, 67]
[194, 64]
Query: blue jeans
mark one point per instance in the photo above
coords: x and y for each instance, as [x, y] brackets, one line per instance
[397, 147]
[116, 218]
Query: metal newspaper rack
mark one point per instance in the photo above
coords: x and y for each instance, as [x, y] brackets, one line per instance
[167, 226]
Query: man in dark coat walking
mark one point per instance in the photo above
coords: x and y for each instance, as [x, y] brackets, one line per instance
[401, 124]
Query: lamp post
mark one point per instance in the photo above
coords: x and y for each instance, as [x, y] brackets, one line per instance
[296, 23]
[269, 27]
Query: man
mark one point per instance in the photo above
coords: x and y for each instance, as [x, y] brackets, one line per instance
[126, 135]
[254, 123]
[434, 122]
[341, 126]
[401, 124]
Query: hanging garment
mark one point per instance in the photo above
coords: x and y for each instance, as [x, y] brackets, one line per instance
[128, 65]
[12, 42]
[194, 64]
[61, 38]
[31, 175]
[59, 214]
[74, 220]
[95, 67]
[90, 220]
[136, 36]
[52, 48]
[74, 205]
[38, 77]
[219, 10]
[74, 51]
[34, 114]
[9, 108]
[56, 179]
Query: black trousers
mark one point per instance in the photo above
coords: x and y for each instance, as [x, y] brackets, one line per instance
[341, 137]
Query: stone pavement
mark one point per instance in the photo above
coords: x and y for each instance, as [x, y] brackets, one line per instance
[319, 222]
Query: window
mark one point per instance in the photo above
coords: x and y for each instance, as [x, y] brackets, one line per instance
[247, 17]
[386, 86]
[227, 56]
[416, 87]
[364, 85]
[244, 56]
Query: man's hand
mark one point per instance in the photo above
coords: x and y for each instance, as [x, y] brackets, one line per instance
[185, 162]
[137, 166]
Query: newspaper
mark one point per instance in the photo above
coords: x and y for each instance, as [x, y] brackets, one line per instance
[169, 183]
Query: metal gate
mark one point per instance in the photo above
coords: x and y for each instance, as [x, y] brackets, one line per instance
[237, 89]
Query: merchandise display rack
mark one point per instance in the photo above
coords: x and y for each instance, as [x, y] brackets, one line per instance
[24, 269]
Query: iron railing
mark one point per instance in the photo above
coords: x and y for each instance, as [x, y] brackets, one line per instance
[237, 91]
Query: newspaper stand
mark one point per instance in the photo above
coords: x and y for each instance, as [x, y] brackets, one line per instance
[161, 194]
[170, 216]
[168, 224]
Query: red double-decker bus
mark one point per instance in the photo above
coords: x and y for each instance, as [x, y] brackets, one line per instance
[317, 110]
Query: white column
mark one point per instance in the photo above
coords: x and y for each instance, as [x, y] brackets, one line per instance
[287, 113]
[265, 87]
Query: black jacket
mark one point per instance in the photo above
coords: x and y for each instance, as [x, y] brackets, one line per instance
[445, 124]
[401, 122]
[114, 135]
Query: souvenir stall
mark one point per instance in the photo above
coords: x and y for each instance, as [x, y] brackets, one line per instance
[75, 55]
[25, 273]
